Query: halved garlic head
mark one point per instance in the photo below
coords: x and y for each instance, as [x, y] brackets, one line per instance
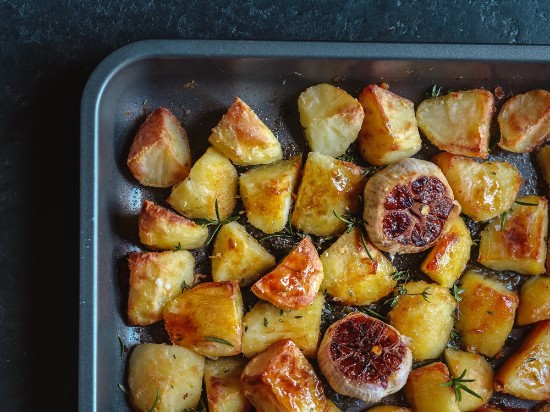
[409, 205]
[364, 357]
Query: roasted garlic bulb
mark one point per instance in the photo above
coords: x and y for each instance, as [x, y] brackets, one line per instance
[364, 357]
[409, 205]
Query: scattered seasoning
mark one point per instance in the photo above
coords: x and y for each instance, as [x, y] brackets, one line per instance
[435, 91]
[265, 322]
[177, 247]
[298, 317]
[458, 386]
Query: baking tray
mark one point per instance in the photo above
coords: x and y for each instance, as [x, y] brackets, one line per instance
[198, 80]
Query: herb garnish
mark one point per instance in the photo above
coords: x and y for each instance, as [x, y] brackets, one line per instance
[156, 401]
[519, 202]
[218, 340]
[288, 233]
[401, 290]
[217, 223]
[177, 247]
[184, 286]
[503, 217]
[435, 92]
[123, 389]
[123, 348]
[352, 222]
[458, 386]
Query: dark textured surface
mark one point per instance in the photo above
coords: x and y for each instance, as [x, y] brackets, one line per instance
[48, 50]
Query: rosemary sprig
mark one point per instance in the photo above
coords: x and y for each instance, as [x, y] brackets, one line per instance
[457, 292]
[123, 348]
[218, 340]
[458, 385]
[217, 223]
[352, 222]
[435, 91]
[503, 217]
[401, 276]
[401, 290]
[519, 202]
[288, 233]
[156, 401]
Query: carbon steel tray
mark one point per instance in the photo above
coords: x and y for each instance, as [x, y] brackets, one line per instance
[198, 80]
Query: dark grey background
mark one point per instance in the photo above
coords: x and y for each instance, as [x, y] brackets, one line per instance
[48, 49]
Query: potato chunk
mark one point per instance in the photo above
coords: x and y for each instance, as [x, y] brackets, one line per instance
[328, 186]
[476, 368]
[160, 155]
[543, 160]
[236, 255]
[534, 301]
[331, 118]
[521, 244]
[265, 324]
[244, 138]
[483, 189]
[487, 312]
[168, 377]
[424, 392]
[295, 282]
[351, 277]
[427, 321]
[389, 132]
[526, 373]
[224, 391]
[160, 228]
[155, 279]
[524, 121]
[448, 258]
[213, 179]
[207, 319]
[281, 379]
[267, 193]
[458, 122]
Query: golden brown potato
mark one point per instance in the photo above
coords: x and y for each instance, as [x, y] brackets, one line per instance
[484, 190]
[207, 319]
[331, 118]
[389, 132]
[534, 301]
[160, 155]
[328, 186]
[295, 282]
[487, 312]
[427, 321]
[267, 193]
[212, 179]
[350, 276]
[389, 408]
[524, 121]
[458, 122]
[224, 391]
[168, 377]
[424, 390]
[447, 259]
[526, 373]
[521, 244]
[543, 160]
[155, 279]
[265, 324]
[160, 228]
[236, 255]
[476, 368]
[244, 138]
[281, 379]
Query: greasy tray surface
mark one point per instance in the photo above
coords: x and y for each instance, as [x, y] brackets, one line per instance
[198, 80]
